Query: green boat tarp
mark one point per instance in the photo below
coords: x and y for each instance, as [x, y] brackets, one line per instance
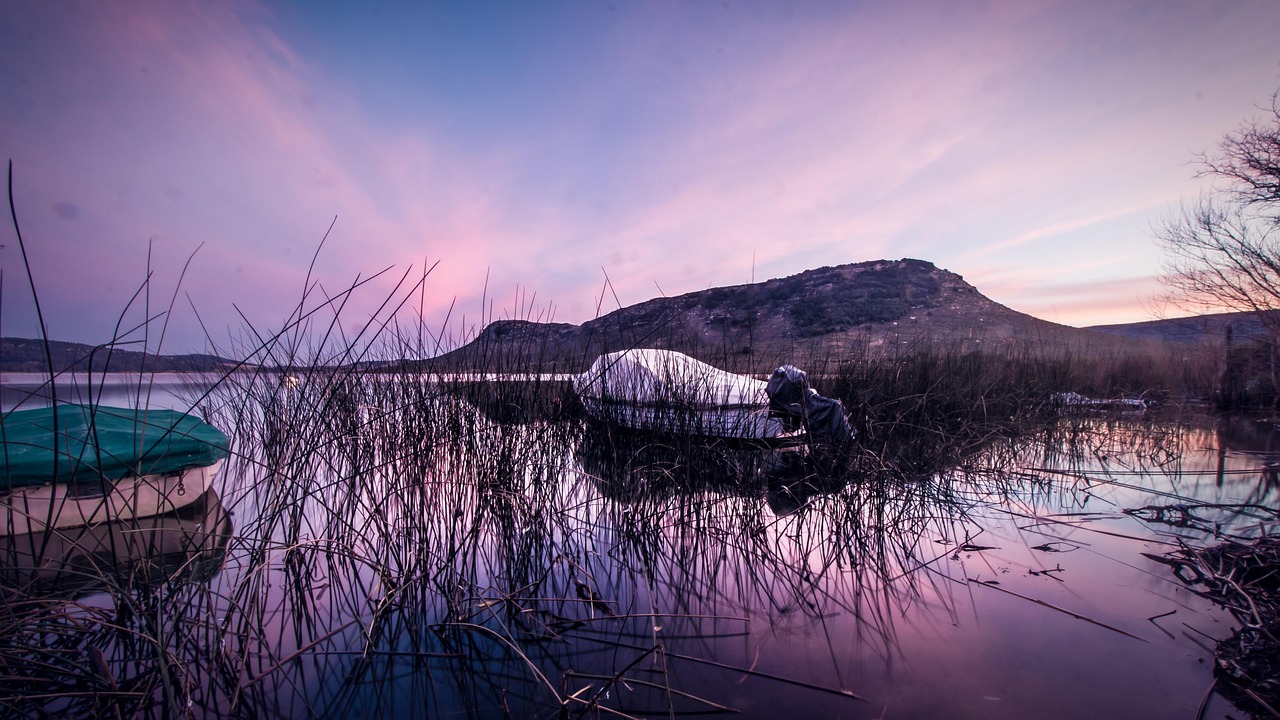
[89, 444]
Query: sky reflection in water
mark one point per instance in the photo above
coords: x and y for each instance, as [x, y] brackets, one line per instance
[518, 565]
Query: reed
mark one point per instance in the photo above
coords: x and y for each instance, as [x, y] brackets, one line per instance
[482, 537]
[408, 535]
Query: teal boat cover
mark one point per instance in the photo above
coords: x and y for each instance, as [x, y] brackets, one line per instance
[84, 443]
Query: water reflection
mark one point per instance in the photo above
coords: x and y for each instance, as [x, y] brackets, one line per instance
[105, 619]
[400, 551]
[72, 563]
[630, 467]
[174, 391]
[516, 564]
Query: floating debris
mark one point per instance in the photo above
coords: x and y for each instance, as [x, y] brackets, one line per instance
[1076, 401]
[1245, 579]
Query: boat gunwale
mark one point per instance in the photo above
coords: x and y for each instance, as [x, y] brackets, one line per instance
[42, 508]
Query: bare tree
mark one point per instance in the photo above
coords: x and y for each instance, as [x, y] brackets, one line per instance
[1222, 256]
[1223, 251]
[1249, 160]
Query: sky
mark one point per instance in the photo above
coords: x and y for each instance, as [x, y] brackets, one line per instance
[554, 160]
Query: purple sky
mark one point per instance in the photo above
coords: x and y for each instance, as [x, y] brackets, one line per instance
[1028, 146]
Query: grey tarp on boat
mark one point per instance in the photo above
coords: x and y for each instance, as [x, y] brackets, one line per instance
[823, 417]
[94, 443]
[649, 376]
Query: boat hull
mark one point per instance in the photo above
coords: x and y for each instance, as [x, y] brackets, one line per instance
[52, 506]
[742, 422]
[73, 562]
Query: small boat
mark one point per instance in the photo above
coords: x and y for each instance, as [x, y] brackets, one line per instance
[671, 393]
[73, 562]
[73, 465]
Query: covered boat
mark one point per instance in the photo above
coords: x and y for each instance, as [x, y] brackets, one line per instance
[73, 562]
[669, 392]
[72, 465]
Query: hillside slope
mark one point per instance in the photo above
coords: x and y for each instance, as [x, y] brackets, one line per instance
[28, 355]
[1194, 330]
[814, 316]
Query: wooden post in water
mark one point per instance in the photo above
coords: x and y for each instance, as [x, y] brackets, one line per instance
[1275, 371]
[1221, 477]
[1227, 383]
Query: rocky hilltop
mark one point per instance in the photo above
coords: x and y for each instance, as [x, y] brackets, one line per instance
[817, 315]
[811, 318]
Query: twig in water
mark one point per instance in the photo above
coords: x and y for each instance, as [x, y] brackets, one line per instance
[1063, 610]
[656, 686]
[1153, 619]
[758, 673]
[1204, 702]
[1260, 701]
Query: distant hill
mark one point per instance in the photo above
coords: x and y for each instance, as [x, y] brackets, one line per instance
[28, 355]
[1191, 330]
[813, 316]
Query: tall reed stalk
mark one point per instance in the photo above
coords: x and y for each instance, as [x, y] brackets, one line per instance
[410, 535]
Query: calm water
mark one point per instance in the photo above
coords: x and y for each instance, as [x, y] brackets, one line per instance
[491, 568]
[164, 390]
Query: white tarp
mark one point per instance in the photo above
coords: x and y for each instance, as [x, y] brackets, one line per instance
[648, 376]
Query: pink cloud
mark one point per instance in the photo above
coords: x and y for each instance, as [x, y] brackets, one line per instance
[1093, 302]
[264, 171]
[973, 137]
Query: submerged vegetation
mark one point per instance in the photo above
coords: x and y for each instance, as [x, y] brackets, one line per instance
[1243, 576]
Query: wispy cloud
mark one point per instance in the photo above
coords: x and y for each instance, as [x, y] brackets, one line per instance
[672, 146]
[1094, 302]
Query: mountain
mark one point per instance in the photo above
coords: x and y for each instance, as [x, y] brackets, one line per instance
[810, 319]
[28, 355]
[814, 316]
[1193, 330]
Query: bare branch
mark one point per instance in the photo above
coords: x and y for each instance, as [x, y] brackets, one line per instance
[1223, 252]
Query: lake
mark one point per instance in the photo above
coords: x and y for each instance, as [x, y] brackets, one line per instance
[164, 390]
[400, 550]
